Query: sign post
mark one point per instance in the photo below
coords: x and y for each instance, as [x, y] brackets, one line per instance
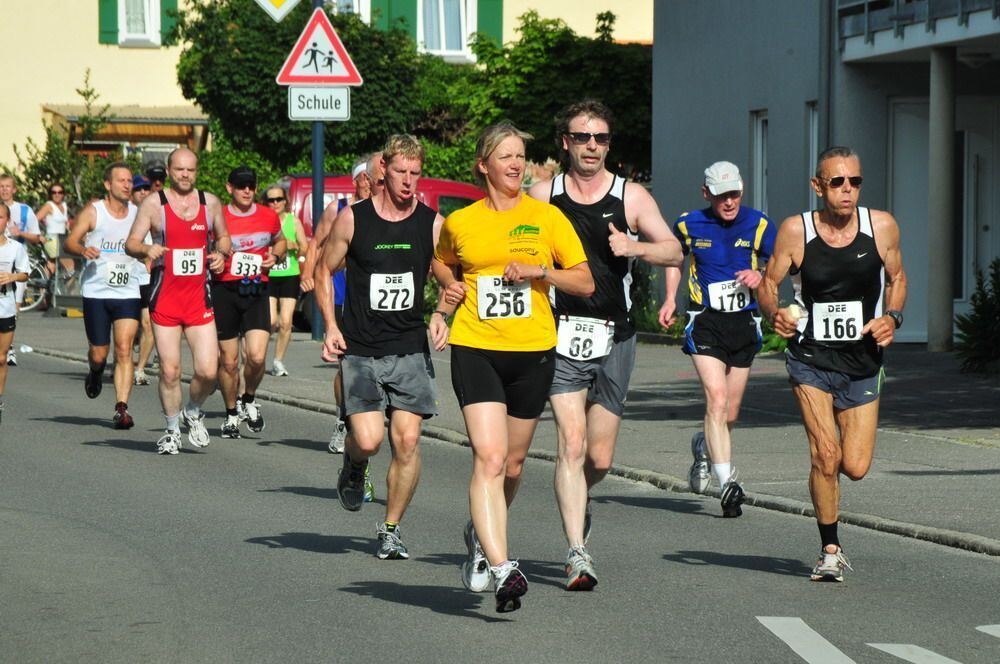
[317, 72]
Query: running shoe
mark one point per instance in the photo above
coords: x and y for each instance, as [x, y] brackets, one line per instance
[510, 586]
[580, 570]
[830, 566]
[369, 487]
[241, 409]
[122, 419]
[336, 444]
[390, 544]
[278, 369]
[141, 378]
[93, 383]
[11, 357]
[231, 426]
[255, 416]
[700, 475]
[588, 521]
[351, 484]
[732, 497]
[197, 433]
[169, 443]
[476, 569]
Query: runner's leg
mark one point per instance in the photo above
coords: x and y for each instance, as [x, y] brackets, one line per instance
[825, 450]
[255, 344]
[404, 469]
[286, 310]
[229, 362]
[602, 434]
[168, 347]
[570, 484]
[204, 346]
[124, 330]
[489, 468]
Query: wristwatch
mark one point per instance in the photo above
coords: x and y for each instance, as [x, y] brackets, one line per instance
[442, 314]
[896, 316]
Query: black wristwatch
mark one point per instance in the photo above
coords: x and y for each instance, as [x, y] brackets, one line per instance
[446, 316]
[896, 316]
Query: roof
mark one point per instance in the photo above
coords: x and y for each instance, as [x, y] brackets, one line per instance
[133, 113]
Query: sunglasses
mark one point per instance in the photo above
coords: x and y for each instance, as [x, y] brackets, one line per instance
[838, 181]
[57, 191]
[583, 137]
[251, 187]
[280, 199]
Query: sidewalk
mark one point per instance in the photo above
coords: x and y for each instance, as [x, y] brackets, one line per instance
[938, 446]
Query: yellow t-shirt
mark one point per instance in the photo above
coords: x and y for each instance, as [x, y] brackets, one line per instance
[483, 241]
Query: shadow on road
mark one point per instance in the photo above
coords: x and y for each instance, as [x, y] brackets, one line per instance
[543, 572]
[301, 443]
[678, 505]
[449, 601]
[922, 473]
[316, 543]
[127, 444]
[783, 566]
[76, 421]
[313, 492]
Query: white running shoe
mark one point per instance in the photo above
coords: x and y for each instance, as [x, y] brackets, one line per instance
[11, 357]
[336, 444]
[241, 410]
[169, 443]
[141, 378]
[231, 427]
[278, 369]
[700, 475]
[476, 569]
[830, 566]
[197, 433]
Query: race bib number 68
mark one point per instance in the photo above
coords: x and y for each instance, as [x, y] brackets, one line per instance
[499, 298]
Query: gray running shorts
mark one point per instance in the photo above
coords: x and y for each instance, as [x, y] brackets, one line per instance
[605, 379]
[398, 382]
[847, 392]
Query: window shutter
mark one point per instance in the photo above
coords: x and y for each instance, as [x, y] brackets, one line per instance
[490, 18]
[168, 19]
[107, 22]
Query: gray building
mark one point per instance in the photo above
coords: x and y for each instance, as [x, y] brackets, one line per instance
[912, 85]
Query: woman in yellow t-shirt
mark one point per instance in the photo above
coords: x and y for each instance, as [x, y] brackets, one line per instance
[506, 247]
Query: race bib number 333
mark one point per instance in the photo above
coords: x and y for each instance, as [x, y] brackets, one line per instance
[837, 321]
[246, 265]
[391, 292]
[499, 298]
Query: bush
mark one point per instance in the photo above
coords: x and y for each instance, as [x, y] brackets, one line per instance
[978, 343]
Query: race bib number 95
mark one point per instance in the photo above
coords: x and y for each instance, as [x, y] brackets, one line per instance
[391, 292]
[499, 298]
[188, 262]
[837, 321]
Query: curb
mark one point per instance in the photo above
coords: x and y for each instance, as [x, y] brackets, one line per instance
[942, 536]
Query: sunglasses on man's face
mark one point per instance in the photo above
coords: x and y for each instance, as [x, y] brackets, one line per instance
[54, 192]
[583, 137]
[278, 199]
[837, 182]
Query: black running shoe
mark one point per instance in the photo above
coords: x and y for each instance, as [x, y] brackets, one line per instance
[93, 384]
[732, 498]
[351, 484]
[122, 419]
[510, 586]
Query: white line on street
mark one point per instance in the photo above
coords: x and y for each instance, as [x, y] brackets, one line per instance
[912, 653]
[992, 630]
[804, 641]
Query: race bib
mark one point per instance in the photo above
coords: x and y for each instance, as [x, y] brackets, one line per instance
[728, 296]
[391, 292]
[119, 273]
[281, 265]
[246, 265]
[837, 321]
[584, 338]
[499, 298]
[188, 262]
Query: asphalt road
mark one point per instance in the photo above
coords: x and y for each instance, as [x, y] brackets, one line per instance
[241, 552]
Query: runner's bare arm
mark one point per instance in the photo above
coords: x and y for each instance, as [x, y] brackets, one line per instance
[883, 329]
[334, 250]
[788, 249]
[85, 223]
[660, 246]
[223, 243]
[671, 280]
[541, 191]
[315, 247]
[147, 219]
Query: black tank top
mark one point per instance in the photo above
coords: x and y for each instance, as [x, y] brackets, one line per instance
[838, 274]
[612, 298]
[387, 266]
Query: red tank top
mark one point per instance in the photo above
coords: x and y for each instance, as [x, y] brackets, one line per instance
[185, 265]
[251, 233]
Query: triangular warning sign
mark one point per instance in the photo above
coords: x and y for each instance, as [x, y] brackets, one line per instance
[319, 57]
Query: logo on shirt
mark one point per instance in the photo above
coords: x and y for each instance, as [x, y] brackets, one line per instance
[197, 227]
[108, 247]
[406, 246]
[522, 230]
[702, 244]
[742, 243]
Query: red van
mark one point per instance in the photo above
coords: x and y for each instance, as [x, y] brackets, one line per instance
[445, 196]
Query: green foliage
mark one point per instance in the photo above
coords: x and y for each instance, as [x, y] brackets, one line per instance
[978, 343]
[773, 342]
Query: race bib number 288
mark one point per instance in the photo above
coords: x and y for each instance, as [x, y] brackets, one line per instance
[499, 298]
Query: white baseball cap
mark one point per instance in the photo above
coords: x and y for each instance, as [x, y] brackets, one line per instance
[722, 177]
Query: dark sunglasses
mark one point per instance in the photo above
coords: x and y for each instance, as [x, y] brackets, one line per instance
[56, 191]
[251, 187]
[281, 199]
[582, 137]
[838, 181]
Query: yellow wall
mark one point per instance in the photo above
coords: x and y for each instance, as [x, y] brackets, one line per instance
[49, 44]
[634, 17]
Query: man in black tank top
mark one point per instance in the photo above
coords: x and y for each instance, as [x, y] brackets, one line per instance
[850, 288]
[595, 353]
[387, 242]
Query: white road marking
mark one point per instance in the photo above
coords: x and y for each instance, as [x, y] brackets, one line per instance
[912, 653]
[992, 630]
[804, 641]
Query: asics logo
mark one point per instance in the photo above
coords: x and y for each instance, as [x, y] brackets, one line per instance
[197, 227]
[207, 314]
[862, 255]
[742, 243]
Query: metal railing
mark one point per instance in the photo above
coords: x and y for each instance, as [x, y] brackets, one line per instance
[866, 17]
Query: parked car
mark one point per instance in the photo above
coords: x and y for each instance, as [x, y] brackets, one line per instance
[445, 196]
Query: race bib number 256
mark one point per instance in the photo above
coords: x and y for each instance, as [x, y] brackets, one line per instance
[499, 298]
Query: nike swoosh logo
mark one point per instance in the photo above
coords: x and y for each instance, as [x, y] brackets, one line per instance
[862, 255]
[869, 393]
[807, 354]
[608, 214]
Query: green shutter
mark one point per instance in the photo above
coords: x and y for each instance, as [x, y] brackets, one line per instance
[107, 22]
[388, 12]
[168, 18]
[489, 19]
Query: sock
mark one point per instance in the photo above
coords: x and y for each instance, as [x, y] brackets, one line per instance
[828, 534]
[99, 370]
[232, 412]
[722, 472]
[192, 410]
[173, 422]
[122, 404]
[391, 526]
[247, 398]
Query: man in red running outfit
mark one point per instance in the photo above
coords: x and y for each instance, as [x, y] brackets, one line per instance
[189, 238]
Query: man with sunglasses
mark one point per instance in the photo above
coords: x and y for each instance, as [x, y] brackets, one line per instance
[595, 353]
[850, 287]
[728, 244]
[240, 296]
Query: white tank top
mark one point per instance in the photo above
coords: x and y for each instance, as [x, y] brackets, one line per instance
[113, 276]
[55, 220]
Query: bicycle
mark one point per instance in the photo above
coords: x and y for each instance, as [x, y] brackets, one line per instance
[38, 287]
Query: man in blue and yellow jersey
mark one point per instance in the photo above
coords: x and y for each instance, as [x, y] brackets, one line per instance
[729, 245]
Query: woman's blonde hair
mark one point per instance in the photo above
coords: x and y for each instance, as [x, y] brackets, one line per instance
[488, 141]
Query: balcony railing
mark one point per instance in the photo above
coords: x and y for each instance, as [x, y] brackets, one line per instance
[866, 17]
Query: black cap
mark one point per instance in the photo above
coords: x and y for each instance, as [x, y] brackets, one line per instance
[241, 176]
[156, 171]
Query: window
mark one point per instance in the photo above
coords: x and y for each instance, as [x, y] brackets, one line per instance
[444, 27]
[812, 126]
[758, 153]
[139, 22]
[363, 8]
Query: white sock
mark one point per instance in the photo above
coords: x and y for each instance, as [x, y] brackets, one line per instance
[173, 422]
[192, 410]
[722, 472]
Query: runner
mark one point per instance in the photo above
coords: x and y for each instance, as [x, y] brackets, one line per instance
[140, 190]
[729, 244]
[13, 270]
[850, 287]
[239, 294]
[183, 221]
[595, 353]
[388, 243]
[23, 227]
[110, 289]
[503, 341]
[283, 279]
